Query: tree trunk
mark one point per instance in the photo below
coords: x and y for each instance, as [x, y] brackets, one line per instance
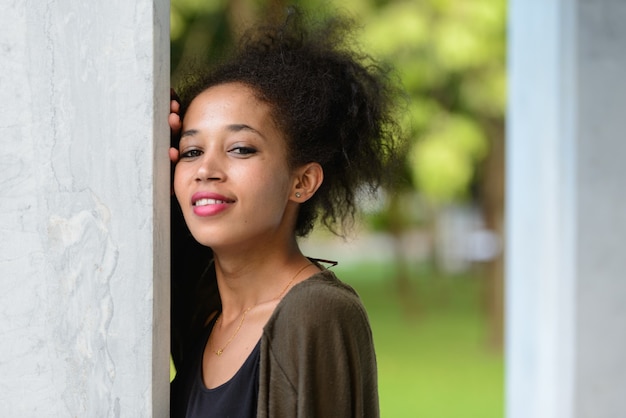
[493, 190]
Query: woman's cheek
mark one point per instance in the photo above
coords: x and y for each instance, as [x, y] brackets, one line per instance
[177, 183]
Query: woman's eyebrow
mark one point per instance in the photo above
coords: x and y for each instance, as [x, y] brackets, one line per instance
[189, 132]
[237, 127]
[234, 127]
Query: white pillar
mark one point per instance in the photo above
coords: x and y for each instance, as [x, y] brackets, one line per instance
[566, 216]
[84, 204]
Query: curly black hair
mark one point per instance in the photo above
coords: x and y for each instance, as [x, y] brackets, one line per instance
[334, 104]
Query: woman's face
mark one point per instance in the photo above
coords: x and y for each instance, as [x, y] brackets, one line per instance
[232, 180]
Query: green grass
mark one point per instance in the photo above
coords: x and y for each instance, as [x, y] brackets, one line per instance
[433, 359]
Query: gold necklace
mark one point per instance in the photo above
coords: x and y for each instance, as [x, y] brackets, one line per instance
[220, 351]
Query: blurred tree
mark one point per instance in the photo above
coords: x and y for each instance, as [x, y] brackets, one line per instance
[451, 58]
[203, 30]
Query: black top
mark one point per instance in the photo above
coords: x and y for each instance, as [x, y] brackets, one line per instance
[237, 398]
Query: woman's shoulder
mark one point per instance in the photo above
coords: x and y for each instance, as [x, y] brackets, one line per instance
[322, 299]
[325, 287]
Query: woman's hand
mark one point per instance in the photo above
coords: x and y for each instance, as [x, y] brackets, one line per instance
[175, 124]
[174, 155]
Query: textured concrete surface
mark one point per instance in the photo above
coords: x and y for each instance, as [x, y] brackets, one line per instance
[566, 223]
[84, 208]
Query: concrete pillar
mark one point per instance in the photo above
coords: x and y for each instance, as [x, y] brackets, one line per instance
[84, 204]
[566, 216]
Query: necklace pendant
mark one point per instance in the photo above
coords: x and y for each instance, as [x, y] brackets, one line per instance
[219, 352]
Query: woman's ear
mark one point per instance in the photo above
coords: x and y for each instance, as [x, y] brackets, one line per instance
[308, 179]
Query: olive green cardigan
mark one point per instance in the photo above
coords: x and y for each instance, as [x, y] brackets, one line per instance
[317, 354]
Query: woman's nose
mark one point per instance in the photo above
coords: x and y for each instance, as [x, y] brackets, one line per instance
[210, 167]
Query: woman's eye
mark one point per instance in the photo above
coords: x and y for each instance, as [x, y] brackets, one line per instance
[192, 153]
[243, 150]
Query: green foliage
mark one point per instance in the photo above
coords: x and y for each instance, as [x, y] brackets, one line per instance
[443, 161]
[450, 59]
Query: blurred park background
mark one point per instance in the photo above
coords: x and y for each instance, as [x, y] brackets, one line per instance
[426, 257]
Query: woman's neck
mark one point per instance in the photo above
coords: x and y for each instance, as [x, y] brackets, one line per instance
[249, 279]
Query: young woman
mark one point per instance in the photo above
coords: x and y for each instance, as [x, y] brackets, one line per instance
[287, 132]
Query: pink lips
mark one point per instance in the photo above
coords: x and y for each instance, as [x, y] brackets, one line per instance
[209, 204]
